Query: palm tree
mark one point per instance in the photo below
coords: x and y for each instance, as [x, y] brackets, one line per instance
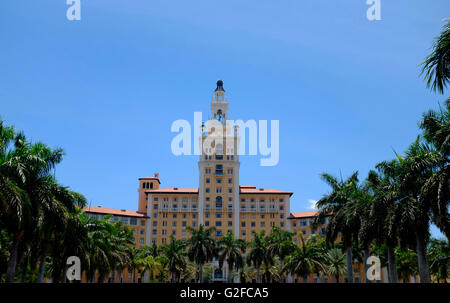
[378, 224]
[175, 254]
[153, 265]
[231, 250]
[342, 207]
[411, 212]
[258, 253]
[306, 259]
[335, 263]
[436, 66]
[436, 189]
[439, 256]
[247, 273]
[280, 244]
[406, 263]
[202, 247]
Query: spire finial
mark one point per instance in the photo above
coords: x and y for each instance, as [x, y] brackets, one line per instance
[219, 86]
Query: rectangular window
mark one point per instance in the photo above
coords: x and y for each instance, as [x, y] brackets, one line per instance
[263, 224]
[133, 221]
[243, 224]
[230, 181]
[183, 223]
[218, 223]
[206, 223]
[155, 206]
[230, 223]
[142, 222]
[141, 240]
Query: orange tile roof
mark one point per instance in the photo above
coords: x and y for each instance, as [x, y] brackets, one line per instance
[113, 211]
[244, 189]
[253, 190]
[303, 214]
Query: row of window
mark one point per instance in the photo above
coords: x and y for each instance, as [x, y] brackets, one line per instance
[175, 199]
[261, 200]
[219, 190]
[123, 219]
[219, 170]
[219, 180]
[307, 222]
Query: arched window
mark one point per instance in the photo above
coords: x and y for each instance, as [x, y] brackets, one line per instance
[151, 185]
[218, 274]
[219, 203]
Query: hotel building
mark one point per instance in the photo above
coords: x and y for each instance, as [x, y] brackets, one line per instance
[219, 200]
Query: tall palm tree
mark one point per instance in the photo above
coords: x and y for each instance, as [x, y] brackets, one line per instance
[231, 250]
[335, 263]
[341, 205]
[175, 253]
[378, 224]
[436, 189]
[202, 247]
[280, 244]
[306, 259]
[412, 211]
[258, 253]
[436, 66]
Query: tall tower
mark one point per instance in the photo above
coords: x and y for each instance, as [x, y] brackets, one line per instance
[219, 168]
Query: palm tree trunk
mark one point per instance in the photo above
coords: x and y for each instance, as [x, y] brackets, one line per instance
[258, 275]
[337, 278]
[12, 261]
[349, 259]
[365, 257]
[230, 279]
[41, 270]
[392, 266]
[200, 273]
[24, 269]
[424, 270]
[65, 273]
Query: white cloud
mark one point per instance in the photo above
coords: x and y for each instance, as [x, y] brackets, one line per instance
[312, 204]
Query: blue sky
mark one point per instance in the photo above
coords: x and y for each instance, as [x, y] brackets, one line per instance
[346, 91]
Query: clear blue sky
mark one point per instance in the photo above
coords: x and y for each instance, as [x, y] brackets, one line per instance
[346, 90]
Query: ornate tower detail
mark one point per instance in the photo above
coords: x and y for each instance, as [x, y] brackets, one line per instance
[219, 166]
